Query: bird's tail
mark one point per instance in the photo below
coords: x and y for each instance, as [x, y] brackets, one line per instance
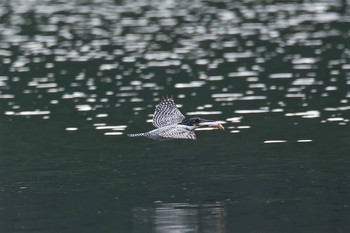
[136, 135]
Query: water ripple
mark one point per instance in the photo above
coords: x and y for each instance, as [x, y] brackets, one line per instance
[277, 58]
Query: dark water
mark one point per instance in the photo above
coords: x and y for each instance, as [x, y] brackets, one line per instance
[76, 76]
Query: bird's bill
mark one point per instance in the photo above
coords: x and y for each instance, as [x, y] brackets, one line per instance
[212, 124]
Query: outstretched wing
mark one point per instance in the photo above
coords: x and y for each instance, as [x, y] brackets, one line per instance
[167, 113]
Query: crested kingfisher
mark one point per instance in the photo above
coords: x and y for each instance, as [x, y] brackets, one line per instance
[171, 124]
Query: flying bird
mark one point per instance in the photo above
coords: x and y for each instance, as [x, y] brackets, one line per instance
[171, 124]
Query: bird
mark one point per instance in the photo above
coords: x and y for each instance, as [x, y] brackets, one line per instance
[171, 124]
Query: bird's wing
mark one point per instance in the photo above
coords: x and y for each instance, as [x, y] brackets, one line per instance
[166, 113]
[176, 133]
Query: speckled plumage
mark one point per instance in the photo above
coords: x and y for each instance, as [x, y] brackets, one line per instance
[168, 132]
[166, 113]
[166, 119]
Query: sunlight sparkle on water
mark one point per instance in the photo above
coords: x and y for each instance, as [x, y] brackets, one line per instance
[274, 141]
[252, 111]
[28, 113]
[71, 129]
[190, 85]
[204, 113]
[112, 127]
[234, 119]
[281, 76]
[113, 133]
[307, 114]
[304, 140]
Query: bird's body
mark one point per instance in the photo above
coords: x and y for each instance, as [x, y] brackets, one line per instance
[168, 132]
[171, 124]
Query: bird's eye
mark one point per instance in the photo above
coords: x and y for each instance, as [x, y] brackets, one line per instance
[197, 120]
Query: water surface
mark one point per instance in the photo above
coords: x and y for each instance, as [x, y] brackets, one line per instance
[76, 77]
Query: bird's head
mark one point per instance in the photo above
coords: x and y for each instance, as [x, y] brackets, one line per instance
[198, 122]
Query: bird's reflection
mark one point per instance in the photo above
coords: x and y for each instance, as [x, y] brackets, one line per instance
[180, 217]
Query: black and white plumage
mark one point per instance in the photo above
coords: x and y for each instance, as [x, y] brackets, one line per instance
[166, 113]
[170, 123]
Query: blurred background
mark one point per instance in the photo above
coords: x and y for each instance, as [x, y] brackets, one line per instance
[77, 76]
